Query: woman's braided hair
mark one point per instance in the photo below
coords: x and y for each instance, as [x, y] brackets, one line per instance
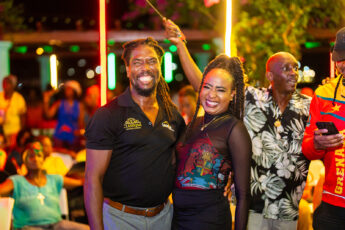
[234, 67]
[162, 88]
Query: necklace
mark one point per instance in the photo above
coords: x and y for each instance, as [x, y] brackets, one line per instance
[204, 126]
[40, 197]
[38, 184]
[278, 125]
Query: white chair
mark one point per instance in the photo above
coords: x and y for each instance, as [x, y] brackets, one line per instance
[63, 203]
[6, 206]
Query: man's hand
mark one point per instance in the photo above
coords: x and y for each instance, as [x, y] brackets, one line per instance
[227, 189]
[173, 32]
[326, 80]
[329, 141]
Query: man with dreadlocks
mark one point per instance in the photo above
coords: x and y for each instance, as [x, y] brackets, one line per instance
[327, 105]
[130, 145]
[275, 118]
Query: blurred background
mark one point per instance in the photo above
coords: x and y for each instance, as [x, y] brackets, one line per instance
[38, 29]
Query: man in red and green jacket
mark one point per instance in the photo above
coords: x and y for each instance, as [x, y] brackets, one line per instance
[328, 104]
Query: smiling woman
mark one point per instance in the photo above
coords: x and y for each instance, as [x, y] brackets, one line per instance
[212, 147]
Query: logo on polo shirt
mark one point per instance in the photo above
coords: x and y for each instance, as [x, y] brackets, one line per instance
[132, 123]
[165, 124]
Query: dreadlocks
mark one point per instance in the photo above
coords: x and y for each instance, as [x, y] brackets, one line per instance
[234, 67]
[162, 87]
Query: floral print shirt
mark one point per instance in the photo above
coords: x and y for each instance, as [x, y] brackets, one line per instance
[278, 168]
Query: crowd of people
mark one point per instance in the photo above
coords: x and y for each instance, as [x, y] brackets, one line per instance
[141, 147]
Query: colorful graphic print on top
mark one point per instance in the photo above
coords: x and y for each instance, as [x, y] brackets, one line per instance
[200, 165]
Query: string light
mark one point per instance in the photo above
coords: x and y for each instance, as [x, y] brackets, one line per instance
[228, 24]
[53, 71]
[168, 67]
[103, 50]
[111, 71]
[39, 51]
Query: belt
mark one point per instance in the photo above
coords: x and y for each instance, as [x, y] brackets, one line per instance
[148, 212]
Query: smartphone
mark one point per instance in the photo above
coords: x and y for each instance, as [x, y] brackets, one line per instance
[330, 126]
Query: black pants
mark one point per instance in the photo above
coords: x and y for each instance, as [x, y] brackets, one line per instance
[329, 217]
[201, 210]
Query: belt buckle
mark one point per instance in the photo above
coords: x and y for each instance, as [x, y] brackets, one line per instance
[146, 211]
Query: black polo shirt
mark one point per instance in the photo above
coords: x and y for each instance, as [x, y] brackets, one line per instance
[140, 172]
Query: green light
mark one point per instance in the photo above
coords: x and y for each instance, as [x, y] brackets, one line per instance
[111, 71]
[48, 49]
[21, 49]
[111, 42]
[166, 41]
[310, 45]
[206, 46]
[74, 48]
[331, 44]
[129, 25]
[168, 70]
[173, 48]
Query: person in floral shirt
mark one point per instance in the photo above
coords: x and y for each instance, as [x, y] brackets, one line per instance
[275, 118]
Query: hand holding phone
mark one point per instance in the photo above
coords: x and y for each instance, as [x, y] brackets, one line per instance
[330, 126]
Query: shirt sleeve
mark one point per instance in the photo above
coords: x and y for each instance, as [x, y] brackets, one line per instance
[100, 131]
[14, 179]
[308, 148]
[241, 149]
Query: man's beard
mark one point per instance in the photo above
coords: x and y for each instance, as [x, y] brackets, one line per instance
[145, 92]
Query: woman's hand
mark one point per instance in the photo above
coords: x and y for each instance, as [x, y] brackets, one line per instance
[48, 94]
[173, 32]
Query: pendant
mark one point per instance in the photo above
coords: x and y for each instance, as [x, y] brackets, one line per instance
[277, 123]
[41, 197]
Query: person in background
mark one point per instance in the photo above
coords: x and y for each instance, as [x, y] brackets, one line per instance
[6, 167]
[24, 137]
[70, 115]
[37, 194]
[187, 99]
[91, 102]
[327, 106]
[34, 115]
[52, 164]
[12, 110]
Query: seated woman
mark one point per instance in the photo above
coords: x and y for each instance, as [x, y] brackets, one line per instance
[36, 195]
[212, 147]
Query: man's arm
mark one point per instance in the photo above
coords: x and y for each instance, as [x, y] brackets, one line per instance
[97, 162]
[190, 69]
[314, 143]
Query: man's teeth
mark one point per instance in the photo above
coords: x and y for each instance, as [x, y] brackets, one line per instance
[145, 78]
